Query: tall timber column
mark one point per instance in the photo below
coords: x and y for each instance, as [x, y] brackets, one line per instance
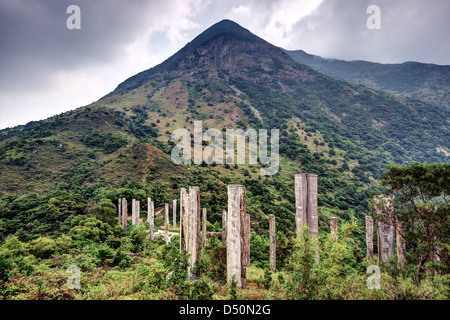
[272, 243]
[235, 227]
[124, 213]
[166, 223]
[369, 237]
[333, 227]
[311, 210]
[401, 249]
[301, 188]
[383, 205]
[194, 226]
[138, 211]
[119, 210]
[184, 218]
[306, 211]
[133, 212]
[174, 215]
[224, 227]
[151, 218]
[204, 230]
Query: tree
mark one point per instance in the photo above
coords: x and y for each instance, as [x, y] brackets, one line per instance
[421, 200]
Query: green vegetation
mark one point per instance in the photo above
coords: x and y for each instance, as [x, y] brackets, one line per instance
[41, 236]
[61, 178]
[427, 82]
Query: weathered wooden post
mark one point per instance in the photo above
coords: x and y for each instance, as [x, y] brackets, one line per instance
[306, 185]
[119, 210]
[194, 227]
[272, 243]
[166, 222]
[333, 227]
[138, 211]
[124, 213]
[174, 215]
[151, 218]
[306, 209]
[184, 219]
[369, 237]
[133, 212]
[312, 213]
[235, 229]
[224, 227]
[301, 187]
[383, 205]
[204, 230]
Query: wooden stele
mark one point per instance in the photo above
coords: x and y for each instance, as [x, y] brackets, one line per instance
[138, 211]
[194, 235]
[383, 204]
[166, 222]
[301, 191]
[333, 227]
[151, 218]
[369, 237]
[306, 208]
[133, 212]
[235, 228]
[174, 210]
[306, 185]
[272, 243]
[124, 213]
[312, 213]
[184, 219]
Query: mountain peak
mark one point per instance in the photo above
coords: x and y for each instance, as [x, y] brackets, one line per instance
[228, 28]
[222, 45]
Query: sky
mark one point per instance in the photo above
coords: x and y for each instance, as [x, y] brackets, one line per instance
[47, 68]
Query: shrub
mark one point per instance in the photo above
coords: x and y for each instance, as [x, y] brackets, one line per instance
[121, 259]
[138, 236]
[43, 247]
[6, 265]
[113, 243]
[90, 227]
[302, 279]
[267, 278]
[105, 253]
[200, 290]
[14, 246]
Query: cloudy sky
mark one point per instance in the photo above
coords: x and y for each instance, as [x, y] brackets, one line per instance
[46, 69]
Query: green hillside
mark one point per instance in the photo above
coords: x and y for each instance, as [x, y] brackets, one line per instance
[425, 81]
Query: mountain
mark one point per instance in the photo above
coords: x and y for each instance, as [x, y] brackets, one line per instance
[424, 81]
[228, 78]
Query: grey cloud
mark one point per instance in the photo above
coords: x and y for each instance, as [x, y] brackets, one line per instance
[35, 41]
[410, 30]
[36, 46]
